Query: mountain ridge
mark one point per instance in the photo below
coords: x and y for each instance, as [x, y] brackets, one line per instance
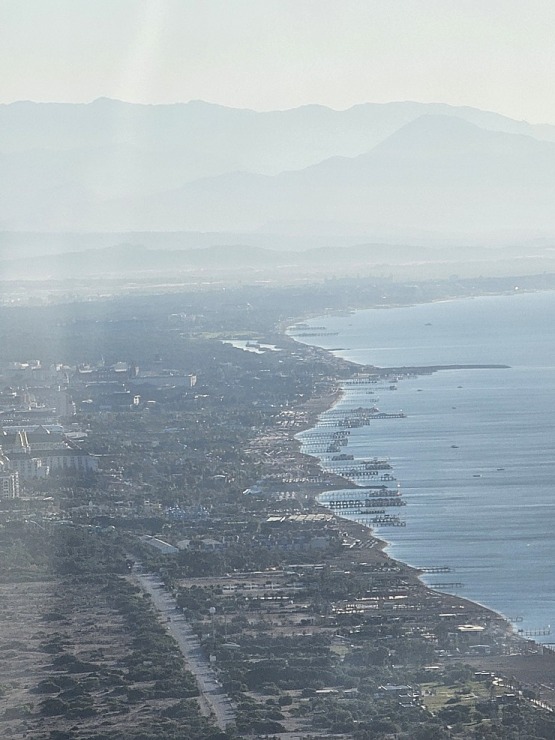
[476, 171]
[113, 166]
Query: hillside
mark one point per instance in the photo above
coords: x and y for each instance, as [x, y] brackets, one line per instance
[370, 170]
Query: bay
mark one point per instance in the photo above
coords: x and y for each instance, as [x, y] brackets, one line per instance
[475, 455]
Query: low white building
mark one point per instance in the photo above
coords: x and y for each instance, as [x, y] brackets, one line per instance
[164, 547]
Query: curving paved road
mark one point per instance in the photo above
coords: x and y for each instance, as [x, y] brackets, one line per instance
[213, 699]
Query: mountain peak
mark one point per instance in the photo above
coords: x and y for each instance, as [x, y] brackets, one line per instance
[175, 166]
[437, 131]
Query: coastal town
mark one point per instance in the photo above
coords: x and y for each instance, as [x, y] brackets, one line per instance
[189, 546]
[277, 354]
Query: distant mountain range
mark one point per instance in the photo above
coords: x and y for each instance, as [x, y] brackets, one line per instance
[373, 171]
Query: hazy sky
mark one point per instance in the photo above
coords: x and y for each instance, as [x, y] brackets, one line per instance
[492, 54]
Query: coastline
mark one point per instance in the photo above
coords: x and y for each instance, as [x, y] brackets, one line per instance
[522, 662]
[326, 402]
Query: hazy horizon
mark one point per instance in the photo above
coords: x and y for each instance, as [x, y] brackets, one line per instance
[281, 54]
[282, 125]
[406, 171]
[285, 109]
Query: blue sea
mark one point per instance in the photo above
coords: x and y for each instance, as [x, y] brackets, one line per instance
[475, 455]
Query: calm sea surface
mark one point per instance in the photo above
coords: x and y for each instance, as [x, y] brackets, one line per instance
[476, 454]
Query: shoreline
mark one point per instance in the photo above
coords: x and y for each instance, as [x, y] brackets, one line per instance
[327, 402]
[522, 662]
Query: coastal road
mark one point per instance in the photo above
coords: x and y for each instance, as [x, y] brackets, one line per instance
[213, 699]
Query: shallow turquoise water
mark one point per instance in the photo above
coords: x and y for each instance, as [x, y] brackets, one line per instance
[495, 531]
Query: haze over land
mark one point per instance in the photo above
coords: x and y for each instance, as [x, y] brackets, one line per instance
[400, 171]
[249, 323]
